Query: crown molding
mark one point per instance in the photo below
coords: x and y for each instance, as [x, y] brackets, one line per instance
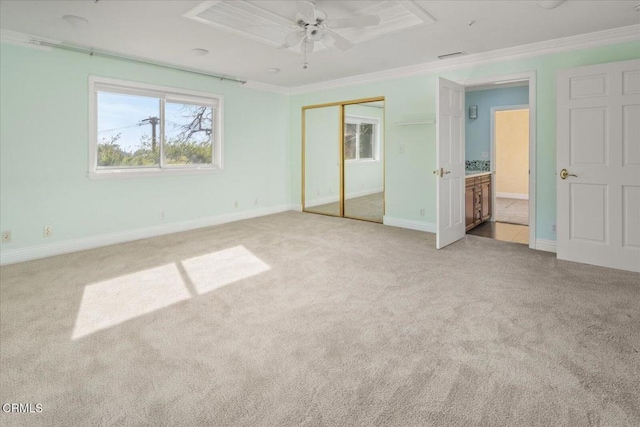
[583, 41]
[24, 40]
[266, 87]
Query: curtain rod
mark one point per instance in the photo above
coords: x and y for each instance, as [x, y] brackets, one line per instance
[93, 52]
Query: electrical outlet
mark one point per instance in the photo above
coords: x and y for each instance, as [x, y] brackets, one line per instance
[255, 202]
[48, 231]
[6, 236]
[422, 212]
[554, 228]
[235, 204]
[401, 149]
[161, 214]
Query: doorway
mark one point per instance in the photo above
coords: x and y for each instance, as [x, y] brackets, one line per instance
[475, 187]
[510, 167]
[497, 161]
[343, 159]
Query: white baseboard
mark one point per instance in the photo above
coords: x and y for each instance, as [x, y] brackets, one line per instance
[363, 193]
[322, 201]
[513, 196]
[410, 224]
[546, 245]
[334, 199]
[13, 256]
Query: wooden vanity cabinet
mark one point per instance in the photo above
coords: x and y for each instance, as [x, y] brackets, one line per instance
[477, 200]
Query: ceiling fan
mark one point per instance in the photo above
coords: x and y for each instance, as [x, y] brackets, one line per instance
[314, 26]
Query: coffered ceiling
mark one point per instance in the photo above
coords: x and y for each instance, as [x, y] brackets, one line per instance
[244, 38]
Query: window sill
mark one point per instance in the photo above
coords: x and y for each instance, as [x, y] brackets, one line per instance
[361, 162]
[144, 173]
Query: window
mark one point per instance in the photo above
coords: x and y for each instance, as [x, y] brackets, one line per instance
[361, 139]
[141, 129]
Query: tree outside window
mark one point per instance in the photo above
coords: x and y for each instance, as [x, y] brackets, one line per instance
[360, 139]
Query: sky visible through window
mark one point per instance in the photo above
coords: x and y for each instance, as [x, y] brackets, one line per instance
[124, 115]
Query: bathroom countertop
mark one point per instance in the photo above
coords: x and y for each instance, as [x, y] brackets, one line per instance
[471, 174]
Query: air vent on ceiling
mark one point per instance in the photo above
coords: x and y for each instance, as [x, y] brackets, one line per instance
[451, 55]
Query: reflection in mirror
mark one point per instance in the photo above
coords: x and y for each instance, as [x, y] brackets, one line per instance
[364, 163]
[322, 160]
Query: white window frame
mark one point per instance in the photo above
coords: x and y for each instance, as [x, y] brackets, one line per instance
[358, 120]
[165, 94]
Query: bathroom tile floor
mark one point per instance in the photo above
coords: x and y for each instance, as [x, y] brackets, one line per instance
[502, 231]
[513, 211]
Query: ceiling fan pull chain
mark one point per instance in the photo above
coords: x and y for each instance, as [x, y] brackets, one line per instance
[305, 64]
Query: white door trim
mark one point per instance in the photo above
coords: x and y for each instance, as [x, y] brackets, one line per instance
[529, 76]
[492, 154]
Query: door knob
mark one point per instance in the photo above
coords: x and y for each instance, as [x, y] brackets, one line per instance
[441, 172]
[565, 173]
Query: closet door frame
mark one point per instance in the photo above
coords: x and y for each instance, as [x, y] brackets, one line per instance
[342, 104]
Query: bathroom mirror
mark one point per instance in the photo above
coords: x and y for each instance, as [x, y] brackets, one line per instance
[321, 159]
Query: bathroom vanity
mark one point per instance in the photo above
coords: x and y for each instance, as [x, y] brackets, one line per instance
[477, 198]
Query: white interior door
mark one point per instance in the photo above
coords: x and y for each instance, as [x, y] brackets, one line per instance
[598, 147]
[450, 163]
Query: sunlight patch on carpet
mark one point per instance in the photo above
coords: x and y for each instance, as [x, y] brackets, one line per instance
[108, 303]
[212, 271]
[111, 302]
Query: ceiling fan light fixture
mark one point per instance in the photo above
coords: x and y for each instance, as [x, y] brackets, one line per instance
[315, 34]
[550, 4]
[273, 70]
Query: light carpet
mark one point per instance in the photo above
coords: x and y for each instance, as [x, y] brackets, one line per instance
[306, 320]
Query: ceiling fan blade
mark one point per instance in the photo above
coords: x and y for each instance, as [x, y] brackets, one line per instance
[327, 40]
[339, 41]
[307, 10]
[293, 38]
[354, 21]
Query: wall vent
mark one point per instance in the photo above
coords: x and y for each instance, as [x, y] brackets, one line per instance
[451, 55]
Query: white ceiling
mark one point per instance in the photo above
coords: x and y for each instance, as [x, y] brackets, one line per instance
[159, 31]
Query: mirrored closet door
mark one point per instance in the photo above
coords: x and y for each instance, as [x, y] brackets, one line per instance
[321, 166]
[343, 159]
[363, 161]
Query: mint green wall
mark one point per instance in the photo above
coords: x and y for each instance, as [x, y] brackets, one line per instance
[410, 185]
[44, 145]
[44, 152]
